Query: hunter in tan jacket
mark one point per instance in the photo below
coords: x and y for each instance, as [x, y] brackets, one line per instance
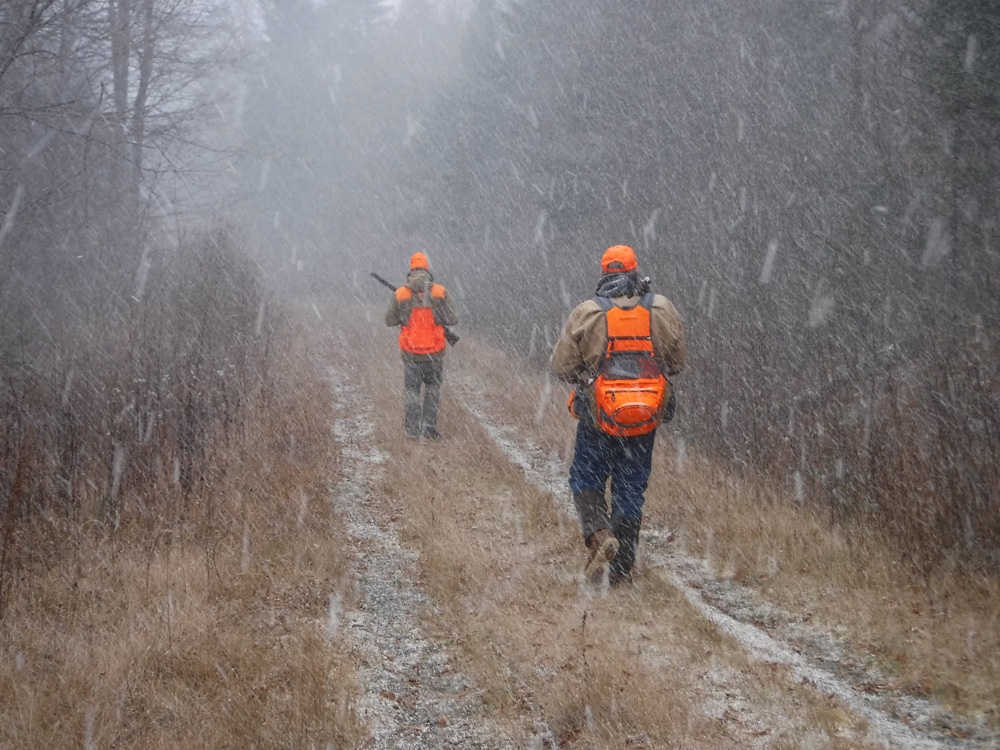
[613, 537]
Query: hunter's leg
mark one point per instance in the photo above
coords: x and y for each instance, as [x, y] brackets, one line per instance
[412, 379]
[588, 476]
[629, 478]
[433, 372]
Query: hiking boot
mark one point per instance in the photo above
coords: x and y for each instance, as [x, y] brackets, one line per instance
[431, 433]
[603, 547]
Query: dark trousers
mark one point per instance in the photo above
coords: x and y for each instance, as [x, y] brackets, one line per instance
[597, 457]
[420, 412]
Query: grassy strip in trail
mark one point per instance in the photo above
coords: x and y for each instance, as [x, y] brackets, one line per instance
[201, 622]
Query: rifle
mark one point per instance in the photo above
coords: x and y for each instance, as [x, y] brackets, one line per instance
[449, 335]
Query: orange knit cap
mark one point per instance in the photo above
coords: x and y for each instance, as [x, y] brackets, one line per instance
[619, 259]
[419, 260]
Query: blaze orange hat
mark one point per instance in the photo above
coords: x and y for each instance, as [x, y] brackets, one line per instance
[419, 260]
[619, 259]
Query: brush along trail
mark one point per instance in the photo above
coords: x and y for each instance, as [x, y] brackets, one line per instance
[475, 629]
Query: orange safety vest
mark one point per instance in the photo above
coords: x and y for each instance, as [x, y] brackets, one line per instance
[630, 391]
[420, 334]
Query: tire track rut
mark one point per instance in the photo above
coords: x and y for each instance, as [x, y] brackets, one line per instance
[413, 698]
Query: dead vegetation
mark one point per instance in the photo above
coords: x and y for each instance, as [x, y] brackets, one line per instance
[202, 623]
[934, 634]
[637, 667]
[201, 620]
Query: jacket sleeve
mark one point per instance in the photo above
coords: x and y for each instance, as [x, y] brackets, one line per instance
[392, 315]
[568, 362]
[669, 345]
[444, 311]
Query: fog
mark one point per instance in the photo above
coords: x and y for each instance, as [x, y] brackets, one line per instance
[814, 185]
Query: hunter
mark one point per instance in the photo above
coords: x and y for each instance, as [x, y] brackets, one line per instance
[421, 309]
[618, 349]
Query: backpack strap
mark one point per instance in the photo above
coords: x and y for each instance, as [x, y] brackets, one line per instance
[605, 303]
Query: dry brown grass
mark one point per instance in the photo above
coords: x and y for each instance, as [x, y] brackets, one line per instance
[204, 625]
[637, 667]
[937, 635]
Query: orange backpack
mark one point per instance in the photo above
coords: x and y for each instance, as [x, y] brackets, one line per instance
[630, 391]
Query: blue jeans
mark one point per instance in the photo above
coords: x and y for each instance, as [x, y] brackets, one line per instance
[626, 460]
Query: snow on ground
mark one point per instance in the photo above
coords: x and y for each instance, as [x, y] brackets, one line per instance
[412, 697]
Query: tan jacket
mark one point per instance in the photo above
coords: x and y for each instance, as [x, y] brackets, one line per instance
[420, 280]
[580, 349]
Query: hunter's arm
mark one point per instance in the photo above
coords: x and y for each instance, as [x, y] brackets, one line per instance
[668, 336]
[444, 311]
[568, 360]
[392, 315]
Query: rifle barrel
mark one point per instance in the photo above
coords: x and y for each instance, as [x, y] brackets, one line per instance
[384, 282]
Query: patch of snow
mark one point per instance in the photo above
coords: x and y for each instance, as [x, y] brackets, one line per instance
[412, 696]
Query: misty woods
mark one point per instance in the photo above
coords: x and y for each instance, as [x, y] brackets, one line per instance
[814, 184]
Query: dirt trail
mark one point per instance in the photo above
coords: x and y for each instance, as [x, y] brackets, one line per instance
[413, 697]
[416, 697]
